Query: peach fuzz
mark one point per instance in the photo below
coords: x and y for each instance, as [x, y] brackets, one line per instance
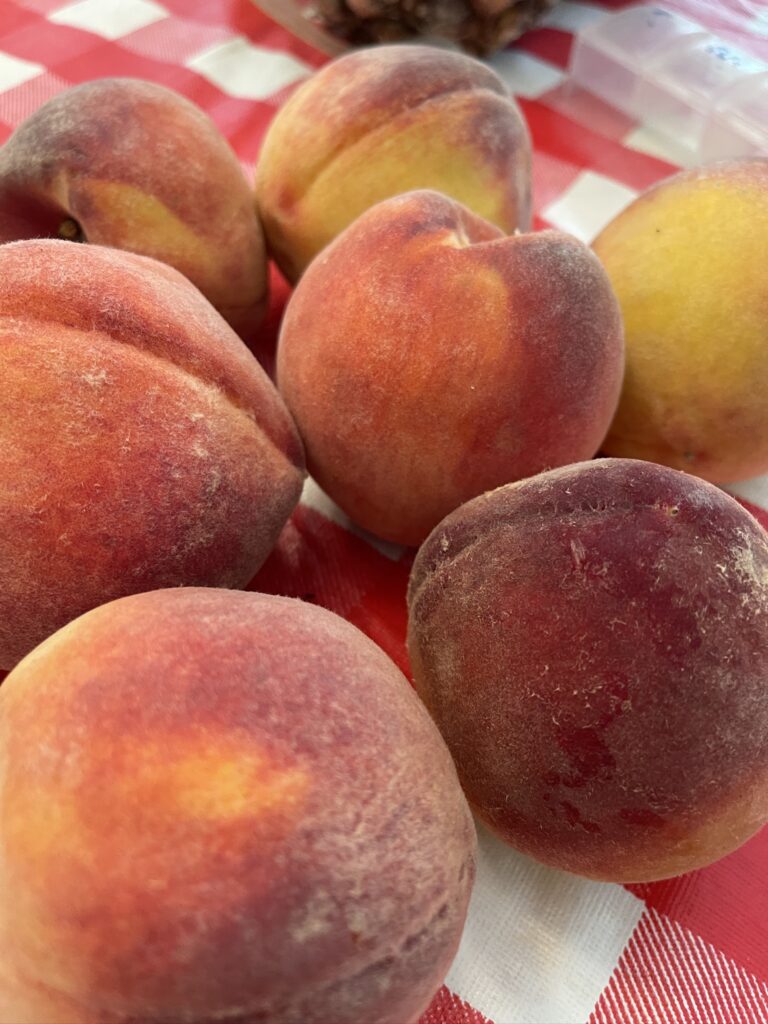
[143, 445]
[133, 165]
[592, 644]
[220, 805]
[376, 123]
[427, 358]
[687, 262]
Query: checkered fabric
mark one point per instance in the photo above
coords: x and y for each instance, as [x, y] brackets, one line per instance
[541, 946]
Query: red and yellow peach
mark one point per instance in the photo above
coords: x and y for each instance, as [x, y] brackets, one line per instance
[143, 445]
[426, 358]
[136, 166]
[221, 805]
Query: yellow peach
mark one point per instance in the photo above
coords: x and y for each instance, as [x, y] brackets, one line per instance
[686, 261]
[375, 123]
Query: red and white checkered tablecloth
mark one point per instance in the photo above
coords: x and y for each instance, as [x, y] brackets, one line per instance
[541, 946]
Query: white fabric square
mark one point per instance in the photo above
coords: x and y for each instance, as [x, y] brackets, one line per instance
[540, 945]
[246, 71]
[175, 40]
[587, 205]
[754, 490]
[526, 75]
[654, 143]
[14, 71]
[315, 498]
[109, 18]
[573, 17]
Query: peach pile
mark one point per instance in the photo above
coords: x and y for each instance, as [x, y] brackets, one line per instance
[142, 444]
[378, 122]
[219, 806]
[686, 260]
[133, 165]
[453, 359]
[592, 645]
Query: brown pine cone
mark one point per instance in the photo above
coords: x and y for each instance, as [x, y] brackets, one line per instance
[479, 26]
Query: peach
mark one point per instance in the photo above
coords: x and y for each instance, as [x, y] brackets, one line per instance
[375, 123]
[427, 358]
[224, 806]
[143, 445]
[136, 166]
[592, 644]
[686, 261]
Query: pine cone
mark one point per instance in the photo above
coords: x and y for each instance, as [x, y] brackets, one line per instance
[478, 26]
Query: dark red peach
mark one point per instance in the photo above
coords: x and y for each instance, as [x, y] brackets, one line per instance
[593, 645]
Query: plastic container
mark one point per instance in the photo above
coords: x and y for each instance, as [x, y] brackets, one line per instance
[670, 73]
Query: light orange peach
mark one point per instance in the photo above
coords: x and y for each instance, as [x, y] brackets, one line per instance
[219, 805]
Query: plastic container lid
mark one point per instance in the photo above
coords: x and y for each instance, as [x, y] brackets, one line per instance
[670, 73]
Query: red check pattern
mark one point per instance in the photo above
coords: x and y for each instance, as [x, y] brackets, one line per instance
[540, 947]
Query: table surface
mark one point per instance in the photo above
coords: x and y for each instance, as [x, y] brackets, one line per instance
[541, 946]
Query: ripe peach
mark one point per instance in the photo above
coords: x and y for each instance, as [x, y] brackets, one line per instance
[142, 444]
[593, 645]
[686, 261]
[136, 166]
[427, 358]
[375, 123]
[223, 806]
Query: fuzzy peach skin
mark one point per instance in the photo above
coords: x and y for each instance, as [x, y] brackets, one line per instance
[687, 262]
[427, 358]
[219, 805]
[136, 166]
[378, 122]
[593, 645]
[142, 444]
